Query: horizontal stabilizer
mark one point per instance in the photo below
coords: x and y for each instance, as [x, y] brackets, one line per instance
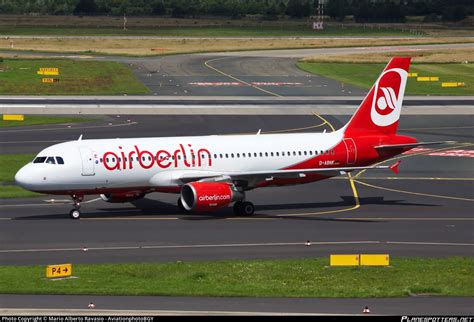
[410, 145]
[394, 167]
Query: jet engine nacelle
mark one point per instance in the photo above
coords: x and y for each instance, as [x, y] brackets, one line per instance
[208, 196]
[122, 196]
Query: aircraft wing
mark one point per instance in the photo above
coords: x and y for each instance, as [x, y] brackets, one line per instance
[271, 174]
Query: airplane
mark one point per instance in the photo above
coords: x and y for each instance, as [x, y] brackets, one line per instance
[212, 172]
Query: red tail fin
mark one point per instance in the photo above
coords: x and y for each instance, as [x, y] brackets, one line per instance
[380, 110]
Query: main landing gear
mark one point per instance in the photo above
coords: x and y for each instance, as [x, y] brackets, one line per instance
[244, 208]
[75, 213]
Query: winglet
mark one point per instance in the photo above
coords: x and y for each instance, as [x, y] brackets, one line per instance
[394, 167]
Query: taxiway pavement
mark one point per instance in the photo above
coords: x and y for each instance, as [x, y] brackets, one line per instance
[158, 305]
[426, 210]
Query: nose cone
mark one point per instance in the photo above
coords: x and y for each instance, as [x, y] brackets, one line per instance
[25, 178]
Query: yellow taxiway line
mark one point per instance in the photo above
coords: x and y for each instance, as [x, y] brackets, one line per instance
[206, 63]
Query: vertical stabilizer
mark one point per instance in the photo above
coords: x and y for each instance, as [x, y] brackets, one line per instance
[380, 110]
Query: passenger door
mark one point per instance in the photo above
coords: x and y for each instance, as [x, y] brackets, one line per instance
[87, 161]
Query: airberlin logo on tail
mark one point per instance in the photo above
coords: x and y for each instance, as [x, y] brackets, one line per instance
[388, 97]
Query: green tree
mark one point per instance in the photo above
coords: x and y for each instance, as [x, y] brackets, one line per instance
[298, 8]
[85, 7]
[456, 13]
[158, 8]
[336, 9]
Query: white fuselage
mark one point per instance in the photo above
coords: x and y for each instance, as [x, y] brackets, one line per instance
[158, 162]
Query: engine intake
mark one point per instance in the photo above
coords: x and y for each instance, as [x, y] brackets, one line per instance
[208, 196]
[122, 196]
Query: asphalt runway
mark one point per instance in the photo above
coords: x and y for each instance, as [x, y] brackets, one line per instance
[251, 73]
[199, 75]
[426, 210]
[160, 305]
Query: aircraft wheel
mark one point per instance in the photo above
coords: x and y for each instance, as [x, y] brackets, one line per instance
[75, 214]
[247, 208]
[244, 208]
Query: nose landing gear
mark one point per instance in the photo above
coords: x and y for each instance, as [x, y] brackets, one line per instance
[75, 213]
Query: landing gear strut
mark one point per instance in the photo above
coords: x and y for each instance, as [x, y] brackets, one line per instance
[75, 213]
[244, 208]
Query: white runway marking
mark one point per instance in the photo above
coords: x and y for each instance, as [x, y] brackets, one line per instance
[183, 246]
[62, 127]
[229, 245]
[428, 244]
[105, 312]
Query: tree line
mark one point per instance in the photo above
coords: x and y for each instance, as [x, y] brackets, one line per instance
[396, 11]
[361, 10]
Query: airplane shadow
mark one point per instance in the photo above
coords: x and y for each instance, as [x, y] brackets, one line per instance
[151, 207]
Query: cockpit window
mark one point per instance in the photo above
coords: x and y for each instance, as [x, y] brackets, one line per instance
[39, 160]
[60, 160]
[50, 160]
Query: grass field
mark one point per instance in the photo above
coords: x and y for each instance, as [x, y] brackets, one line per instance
[440, 56]
[363, 75]
[145, 46]
[262, 31]
[42, 120]
[8, 192]
[19, 77]
[11, 163]
[252, 278]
